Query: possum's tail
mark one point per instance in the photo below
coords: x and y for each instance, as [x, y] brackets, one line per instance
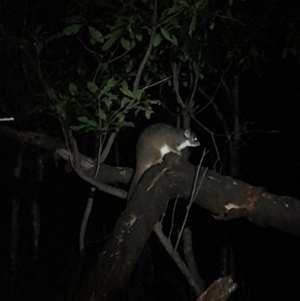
[136, 177]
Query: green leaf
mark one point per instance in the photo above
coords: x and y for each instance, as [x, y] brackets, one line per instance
[83, 119]
[121, 118]
[124, 89]
[148, 113]
[78, 127]
[95, 34]
[157, 39]
[165, 34]
[128, 123]
[108, 101]
[109, 43]
[129, 66]
[72, 29]
[138, 109]
[123, 123]
[124, 84]
[92, 87]
[126, 44]
[102, 114]
[73, 89]
[89, 123]
[86, 124]
[138, 94]
[211, 25]
[192, 26]
[169, 37]
[139, 37]
[110, 84]
[125, 101]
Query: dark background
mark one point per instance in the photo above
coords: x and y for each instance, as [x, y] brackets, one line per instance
[264, 262]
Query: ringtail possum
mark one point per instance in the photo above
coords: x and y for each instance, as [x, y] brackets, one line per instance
[155, 142]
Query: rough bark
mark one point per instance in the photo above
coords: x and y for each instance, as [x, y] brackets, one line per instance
[224, 197]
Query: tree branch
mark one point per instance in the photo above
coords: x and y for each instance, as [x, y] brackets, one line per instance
[194, 284]
[235, 200]
[149, 49]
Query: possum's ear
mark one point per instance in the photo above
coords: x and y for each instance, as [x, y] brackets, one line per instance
[187, 134]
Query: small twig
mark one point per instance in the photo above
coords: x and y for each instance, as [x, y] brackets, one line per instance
[190, 257]
[173, 216]
[157, 83]
[193, 196]
[176, 71]
[108, 146]
[164, 213]
[213, 140]
[149, 49]
[88, 49]
[85, 219]
[224, 123]
[177, 259]
[7, 119]
[101, 142]
[228, 18]
[195, 82]
[215, 92]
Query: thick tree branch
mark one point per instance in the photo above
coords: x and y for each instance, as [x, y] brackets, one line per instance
[220, 290]
[88, 166]
[223, 196]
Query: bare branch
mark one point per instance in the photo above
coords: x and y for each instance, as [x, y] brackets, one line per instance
[177, 259]
[220, 290]
[193, 196]
[189, 256]
[215, 92]
[157, 83]
[101, 186]
[85, 219]
[213, 140]
[173, 216]
[87, 168]
[103, 154]
[211, 99]
[149, 49]
[194, 83]
[176, 70]
[7, 119]
[108, 146]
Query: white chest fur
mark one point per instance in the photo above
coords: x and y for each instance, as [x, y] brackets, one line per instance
[165, 150]
[184, 144]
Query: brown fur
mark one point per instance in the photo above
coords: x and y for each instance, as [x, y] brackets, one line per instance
[149, 144]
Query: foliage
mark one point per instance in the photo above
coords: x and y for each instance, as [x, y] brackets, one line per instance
[188, 33]
[93, 61]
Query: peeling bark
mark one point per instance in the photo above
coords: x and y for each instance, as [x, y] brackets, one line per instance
[226, 198]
